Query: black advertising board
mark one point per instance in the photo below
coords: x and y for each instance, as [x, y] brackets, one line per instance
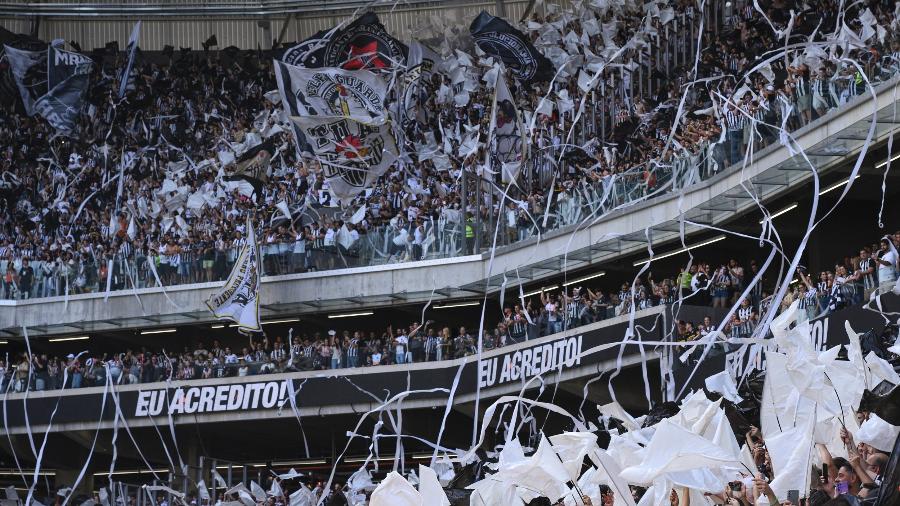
[829, 330]
[510, 365]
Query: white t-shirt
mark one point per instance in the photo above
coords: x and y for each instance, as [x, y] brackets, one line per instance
[376, 358]
[551, 311]
[400, 347]
[886, 273]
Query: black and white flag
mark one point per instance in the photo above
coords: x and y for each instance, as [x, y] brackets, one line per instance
[253, 166]
[422, 63]
[499, 39]
[332, 92]
[51, 83]
[68, 77]
[24, 65]
[238, 300]
[363, 44]
[353, 154]
[506, 130]
[132, 47]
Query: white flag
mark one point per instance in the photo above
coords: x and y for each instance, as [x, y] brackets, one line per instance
[220, 482]
[353, 154]
[333, 92]
[507, 131]
[132, 46]
[303, 497]
[202, 492]
[238, 300]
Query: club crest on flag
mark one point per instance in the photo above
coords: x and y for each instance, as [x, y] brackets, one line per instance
[524, 65]
[362, 44]
[417, 84]
[238, 299]
[499, 39]
[347, 149]
[365, 44]
[352, 154]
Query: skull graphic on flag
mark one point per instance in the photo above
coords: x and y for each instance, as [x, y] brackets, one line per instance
[353, 154]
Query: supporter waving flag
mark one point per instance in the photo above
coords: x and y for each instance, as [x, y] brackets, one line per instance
[362, 44]
[238, 299]
[499, 39]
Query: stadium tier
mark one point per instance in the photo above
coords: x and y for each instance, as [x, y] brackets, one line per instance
[487, 253]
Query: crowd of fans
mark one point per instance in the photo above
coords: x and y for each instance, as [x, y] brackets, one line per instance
[65, 229]
[852, 281]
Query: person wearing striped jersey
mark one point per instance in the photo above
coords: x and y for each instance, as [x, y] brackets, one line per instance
[353, 350]
[517, 325]
[745, 318]
[808, 296]
[821, 91]
[800, 84]
[572, 308]
[734, 121]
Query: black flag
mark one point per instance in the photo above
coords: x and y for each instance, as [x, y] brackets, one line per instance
[499, 39]
[253, 166]
[210, 42]
[889, 492]
[68, 74]
[363, 44]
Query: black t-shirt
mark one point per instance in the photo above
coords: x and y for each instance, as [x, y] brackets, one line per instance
[26, 275]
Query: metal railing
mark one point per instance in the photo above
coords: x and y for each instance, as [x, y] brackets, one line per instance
[452, 233]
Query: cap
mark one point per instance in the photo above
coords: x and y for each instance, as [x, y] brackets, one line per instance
[331, 332]
[70, 356]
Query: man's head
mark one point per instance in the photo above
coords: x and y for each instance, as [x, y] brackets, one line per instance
[876, 463]
[606, 496]
[847, 475]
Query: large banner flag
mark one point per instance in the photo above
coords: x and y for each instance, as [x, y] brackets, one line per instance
[132, 47]
[68, 77]
[417, 85]
[363, 44]
[238, 300]
[353, 154]
[499, 39]
[332, 92]
[28, 73]
[51, 82]
[507, 131]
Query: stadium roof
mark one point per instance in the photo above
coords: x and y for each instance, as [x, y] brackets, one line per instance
[210, 8]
